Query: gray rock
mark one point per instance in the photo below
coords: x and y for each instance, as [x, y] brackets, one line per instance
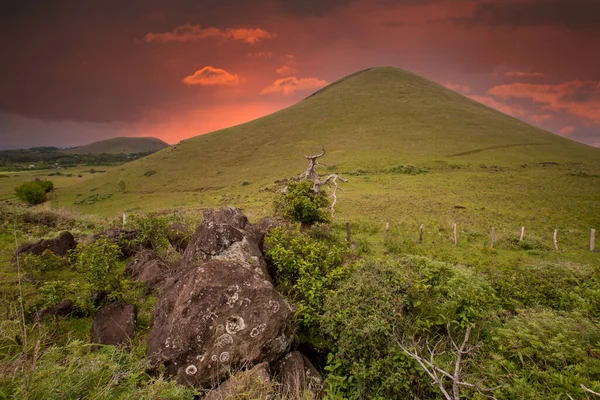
[59, 246]
[146, 266]
[297, 376]
[226, 234]
[217, 317]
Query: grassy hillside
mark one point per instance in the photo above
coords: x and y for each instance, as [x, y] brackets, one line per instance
[504, 171]
[126, 145]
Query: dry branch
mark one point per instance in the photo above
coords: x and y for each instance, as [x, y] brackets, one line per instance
[439, 375]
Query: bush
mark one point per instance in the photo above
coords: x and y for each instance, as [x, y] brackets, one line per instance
[99, 263]
[299, 203]
[31, 192]
[306, 269]
[47, 261]
[385, 300]
[154, 231]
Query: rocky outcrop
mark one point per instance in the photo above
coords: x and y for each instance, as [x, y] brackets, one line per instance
[59, 246]
[114, 324]
[147, 267]
[226, 234]
[254, 383]
[62, 308]
[297, 376]
[216, 317]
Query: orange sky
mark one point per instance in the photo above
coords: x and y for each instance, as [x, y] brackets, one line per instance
[80, 71]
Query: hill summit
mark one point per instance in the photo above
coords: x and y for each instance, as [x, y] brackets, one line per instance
[121, 145]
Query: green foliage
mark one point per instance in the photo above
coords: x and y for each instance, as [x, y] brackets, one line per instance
[31, 192]
[407, 170]
[149, 173]
[76, 371]
[99, 263]
[385, 300]
[154, 231]
[546, 354]
[299, 203]
[306, 270]
[121, 185]
[559, 286]
[48, 186]
[47, 261]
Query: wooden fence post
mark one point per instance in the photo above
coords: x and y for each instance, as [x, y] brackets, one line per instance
[421, 234]
[348, 232]
[522, 233]
[493, 238]
[592, 240]
[124, 219]
[555, 239]
[455, 234]
[387, 228]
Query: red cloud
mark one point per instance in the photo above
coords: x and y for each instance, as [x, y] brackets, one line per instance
[580, 98]
[188, 32]
[209, 76]
[288, 68]
[519, 74]
[288, 86]
[567, 130]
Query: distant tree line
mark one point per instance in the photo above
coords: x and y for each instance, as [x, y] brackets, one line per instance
[45, 157]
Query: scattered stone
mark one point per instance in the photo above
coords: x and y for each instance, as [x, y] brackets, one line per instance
[62, 308]
[146, 266]
[114, 324]
[297, 376]
[226, 234]
[59, 246]
[217, 317]
[251, 384]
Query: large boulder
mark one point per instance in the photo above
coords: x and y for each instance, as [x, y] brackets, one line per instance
[297, 376]
[226, 234]
[254, 383]
[217, 317]
[114, 324]
[146, 266]
[59, 246]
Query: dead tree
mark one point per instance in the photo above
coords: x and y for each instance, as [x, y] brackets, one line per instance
[440, 376]
[330, 181]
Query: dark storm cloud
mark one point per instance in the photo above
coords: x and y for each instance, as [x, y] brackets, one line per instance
[570, 14]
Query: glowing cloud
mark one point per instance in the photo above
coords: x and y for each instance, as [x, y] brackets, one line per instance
[289, 86]
[288, 69]
[580, 98]
[209, 76]
[567, 130]
[188, 33]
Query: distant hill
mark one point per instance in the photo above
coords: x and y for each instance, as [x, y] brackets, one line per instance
[484, 167]
[125, 145]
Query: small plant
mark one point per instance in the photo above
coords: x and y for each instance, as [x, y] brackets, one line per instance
[121, 185]
[245, 183]
[299, 203]
[149, 173]
[47, 261]
[34, 192]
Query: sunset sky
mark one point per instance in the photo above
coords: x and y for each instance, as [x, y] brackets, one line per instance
[77, 71]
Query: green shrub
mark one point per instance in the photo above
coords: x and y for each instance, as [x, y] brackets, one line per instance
[31, 192]
[121, 185]
[48, 186]
[546, 355]
[385, 300]
[306, 269]
[299, 203]
[154, 231]
[47, 261]
[99, 263]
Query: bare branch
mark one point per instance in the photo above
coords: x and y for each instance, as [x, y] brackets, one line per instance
[589, 390]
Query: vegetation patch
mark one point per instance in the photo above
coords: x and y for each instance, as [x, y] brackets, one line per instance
[93, 198]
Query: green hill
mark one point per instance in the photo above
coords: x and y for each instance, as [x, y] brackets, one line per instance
[501, 170]
[121, 145]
